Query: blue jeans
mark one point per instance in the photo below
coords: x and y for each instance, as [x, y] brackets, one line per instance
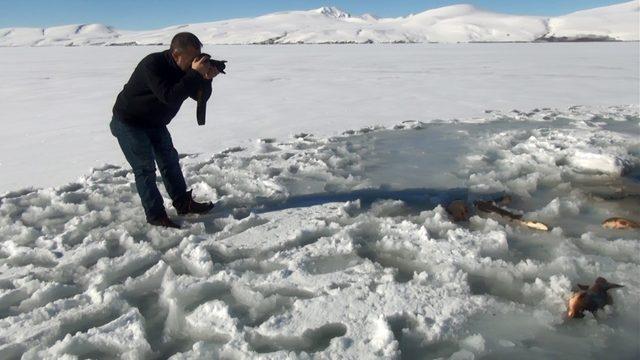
[141, 146]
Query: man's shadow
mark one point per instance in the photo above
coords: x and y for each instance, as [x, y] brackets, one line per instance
[414, 199]
[419, 198]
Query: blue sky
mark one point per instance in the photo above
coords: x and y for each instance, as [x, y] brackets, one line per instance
[149, 14]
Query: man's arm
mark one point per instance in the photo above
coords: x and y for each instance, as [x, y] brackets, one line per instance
[205, 86]
[167, 92]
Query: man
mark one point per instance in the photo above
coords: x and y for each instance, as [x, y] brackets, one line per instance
[147, 103]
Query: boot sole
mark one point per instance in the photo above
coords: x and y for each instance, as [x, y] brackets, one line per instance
[198, 213]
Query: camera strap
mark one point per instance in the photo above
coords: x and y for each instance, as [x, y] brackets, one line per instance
[201, 109]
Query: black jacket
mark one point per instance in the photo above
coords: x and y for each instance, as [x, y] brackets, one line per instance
[156, 90]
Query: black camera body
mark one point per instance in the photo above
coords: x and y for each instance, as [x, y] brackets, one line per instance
[218, 64]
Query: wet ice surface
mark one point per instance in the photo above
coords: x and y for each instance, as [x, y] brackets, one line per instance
[338, 247]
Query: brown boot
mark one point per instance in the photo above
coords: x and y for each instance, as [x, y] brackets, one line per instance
[163, 221]
[189, 206]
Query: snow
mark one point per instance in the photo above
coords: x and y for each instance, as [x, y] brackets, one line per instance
[317, 251]
[619, 21]
[333, 167]
[58, 100]
[465, 23]
[124, 336]
[449, 24]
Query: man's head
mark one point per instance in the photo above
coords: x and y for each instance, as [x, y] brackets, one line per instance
[185, 46]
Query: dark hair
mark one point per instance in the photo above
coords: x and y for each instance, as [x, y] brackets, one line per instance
[183, 40]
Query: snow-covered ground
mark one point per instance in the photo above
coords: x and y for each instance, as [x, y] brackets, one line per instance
[56, 102]
[330, 239]
[449, 24]
[338, 247]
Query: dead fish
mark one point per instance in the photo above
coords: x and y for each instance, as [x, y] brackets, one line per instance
[458, 210]
[536, 225]
[620, 223]
[490, 207]
[590, 298]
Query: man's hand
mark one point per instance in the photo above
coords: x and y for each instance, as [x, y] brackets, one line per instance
[201, 65]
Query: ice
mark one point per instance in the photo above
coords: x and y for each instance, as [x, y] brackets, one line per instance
[597, 163]
[330, 236]
[404, 85]
[212, 320]
[474, 343]
[318, 250]
[124, 337]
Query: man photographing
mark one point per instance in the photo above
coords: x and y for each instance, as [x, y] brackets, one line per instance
[159, 85]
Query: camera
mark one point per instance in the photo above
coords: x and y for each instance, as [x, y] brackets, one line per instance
[201, 108]
[218, 64]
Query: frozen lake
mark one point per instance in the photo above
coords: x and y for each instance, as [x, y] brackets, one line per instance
[340, 247]
[57, 101]
[332, 166]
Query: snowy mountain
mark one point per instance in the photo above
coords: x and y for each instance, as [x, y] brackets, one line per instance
[457, 23]
[619, 22]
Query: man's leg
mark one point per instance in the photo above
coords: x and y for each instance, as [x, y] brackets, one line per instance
[138, 150]
[168, 163]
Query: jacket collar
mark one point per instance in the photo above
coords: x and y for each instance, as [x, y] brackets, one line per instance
[167, 55]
